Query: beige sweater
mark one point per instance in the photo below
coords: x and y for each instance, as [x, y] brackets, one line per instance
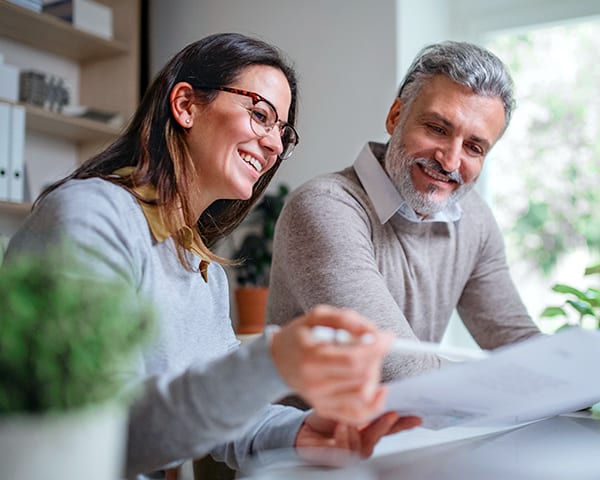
[330, 247]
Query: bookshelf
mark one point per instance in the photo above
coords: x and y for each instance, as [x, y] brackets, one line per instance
[108, 77]
[54, 35]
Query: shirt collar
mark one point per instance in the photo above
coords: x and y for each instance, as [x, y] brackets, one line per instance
[157, 224]
[383, 194]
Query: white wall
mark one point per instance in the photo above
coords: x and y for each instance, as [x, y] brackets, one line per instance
[344, 52]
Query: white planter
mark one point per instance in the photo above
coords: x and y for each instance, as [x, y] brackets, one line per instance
[83, 445]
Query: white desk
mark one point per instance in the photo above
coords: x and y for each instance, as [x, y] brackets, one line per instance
[559, 448]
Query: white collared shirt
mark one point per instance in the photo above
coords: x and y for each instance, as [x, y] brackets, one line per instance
[383, 193]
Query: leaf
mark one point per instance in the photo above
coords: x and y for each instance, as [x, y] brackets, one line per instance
[553, 312]
[593, 269]
[567, 289]
[582, 307]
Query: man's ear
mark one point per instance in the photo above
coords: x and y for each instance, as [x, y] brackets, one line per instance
[181, 104]
[393, 116]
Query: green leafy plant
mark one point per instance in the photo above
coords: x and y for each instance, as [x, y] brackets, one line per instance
[256, 248]
[63, 340]
[579, 305]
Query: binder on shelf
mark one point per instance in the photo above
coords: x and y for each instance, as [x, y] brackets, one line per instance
[16, 173]
[4, 149]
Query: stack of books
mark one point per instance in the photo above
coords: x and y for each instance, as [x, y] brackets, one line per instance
[31, 4]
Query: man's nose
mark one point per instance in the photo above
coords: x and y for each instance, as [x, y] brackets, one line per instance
[449, 156]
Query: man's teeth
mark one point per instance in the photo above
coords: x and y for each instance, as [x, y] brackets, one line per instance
[436, 175]
[252, 161]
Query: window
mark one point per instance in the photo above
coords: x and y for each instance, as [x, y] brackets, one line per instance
[544, 175]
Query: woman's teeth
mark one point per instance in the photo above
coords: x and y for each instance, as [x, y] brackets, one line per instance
[252, 161]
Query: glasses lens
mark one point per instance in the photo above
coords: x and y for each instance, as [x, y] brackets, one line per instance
[262, 118]
[289, 140]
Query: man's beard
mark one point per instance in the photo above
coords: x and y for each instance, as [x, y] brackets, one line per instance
[398, 165]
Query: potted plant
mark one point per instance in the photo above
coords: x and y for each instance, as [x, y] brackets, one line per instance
[64, 346]
[255, 255]
[580, 308]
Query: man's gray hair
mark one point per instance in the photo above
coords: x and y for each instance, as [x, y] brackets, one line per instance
[464, 63]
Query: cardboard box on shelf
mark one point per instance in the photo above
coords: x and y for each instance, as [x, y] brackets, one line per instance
[93, 17]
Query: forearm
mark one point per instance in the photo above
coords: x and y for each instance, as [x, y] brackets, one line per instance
[274, 429]
[186, 415]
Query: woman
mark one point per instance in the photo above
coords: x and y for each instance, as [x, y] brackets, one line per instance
[206, 140]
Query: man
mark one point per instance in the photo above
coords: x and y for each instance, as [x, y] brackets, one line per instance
[401, 236]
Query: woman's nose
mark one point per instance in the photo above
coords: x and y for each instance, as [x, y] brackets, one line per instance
[272, 141]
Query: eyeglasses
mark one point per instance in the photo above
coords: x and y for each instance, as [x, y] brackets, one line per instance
[263, 118]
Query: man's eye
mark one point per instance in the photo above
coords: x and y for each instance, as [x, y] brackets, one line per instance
[476, 149]
[436, 128]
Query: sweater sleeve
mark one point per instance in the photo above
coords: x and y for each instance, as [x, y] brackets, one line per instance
[323, 254]
[184, 413]
[187, 415]
[274, 429]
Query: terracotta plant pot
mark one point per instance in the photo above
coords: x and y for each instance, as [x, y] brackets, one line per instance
[251, 308]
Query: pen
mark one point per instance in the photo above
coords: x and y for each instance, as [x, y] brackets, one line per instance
[327, 334]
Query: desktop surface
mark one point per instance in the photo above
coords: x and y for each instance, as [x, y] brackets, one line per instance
[562, 447]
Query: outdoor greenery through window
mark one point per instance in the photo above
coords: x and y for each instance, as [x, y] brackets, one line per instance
[544, 175]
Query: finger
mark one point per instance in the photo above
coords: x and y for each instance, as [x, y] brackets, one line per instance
[405, 423]
[341, 318]
[348, 408]
[341, 436]
[371, 434]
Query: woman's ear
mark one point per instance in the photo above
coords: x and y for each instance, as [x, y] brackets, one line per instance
[393, 116]
[181, 104]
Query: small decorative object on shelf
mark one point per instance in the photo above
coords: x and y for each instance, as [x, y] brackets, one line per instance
[43, 90]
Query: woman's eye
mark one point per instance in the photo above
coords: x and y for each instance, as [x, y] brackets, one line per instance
[260, 116]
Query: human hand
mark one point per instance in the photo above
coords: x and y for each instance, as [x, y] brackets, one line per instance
[341, 382]
[317, 433]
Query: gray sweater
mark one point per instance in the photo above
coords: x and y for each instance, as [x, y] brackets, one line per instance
[331, 247]
[199, 389]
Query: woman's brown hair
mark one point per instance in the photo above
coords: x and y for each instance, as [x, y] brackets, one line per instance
[153, 142]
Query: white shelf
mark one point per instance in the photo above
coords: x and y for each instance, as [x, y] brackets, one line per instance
[15, 209]
[78, 130]
[45, 32]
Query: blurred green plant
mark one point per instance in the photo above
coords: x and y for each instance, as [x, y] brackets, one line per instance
[256, 249]
[578, 305]
[546, 166]
[65, 339]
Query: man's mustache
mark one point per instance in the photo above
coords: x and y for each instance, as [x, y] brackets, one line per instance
[432, 164]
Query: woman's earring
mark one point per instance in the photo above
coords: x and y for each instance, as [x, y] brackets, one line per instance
[187, 121]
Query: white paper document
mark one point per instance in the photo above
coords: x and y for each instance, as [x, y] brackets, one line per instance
[531, 380]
